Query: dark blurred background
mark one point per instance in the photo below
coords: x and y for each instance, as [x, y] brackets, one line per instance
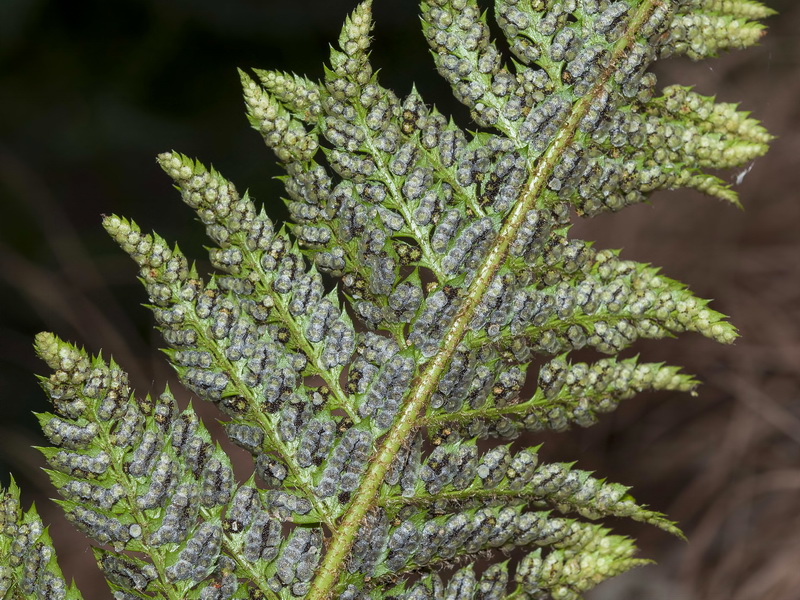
[91, 91]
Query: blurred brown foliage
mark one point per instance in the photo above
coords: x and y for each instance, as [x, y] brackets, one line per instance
[92, 91]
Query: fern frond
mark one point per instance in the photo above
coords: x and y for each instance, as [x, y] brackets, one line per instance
[455, 476]
[380, 413]
[150, 481]
[567, 394]
[28, 564]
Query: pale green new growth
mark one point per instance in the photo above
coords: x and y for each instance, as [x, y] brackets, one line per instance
[380, 412]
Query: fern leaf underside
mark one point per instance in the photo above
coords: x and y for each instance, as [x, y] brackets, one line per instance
[380, 413]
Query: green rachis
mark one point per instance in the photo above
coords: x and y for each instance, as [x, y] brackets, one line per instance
[378, 355]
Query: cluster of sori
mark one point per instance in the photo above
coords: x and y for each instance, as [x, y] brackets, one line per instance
[561, 574]
[476, 379]
[265, 340]
[199, 555]
[28, 567]
[166, 490]
[254, 531]
[462, 585]
[707, 115]
[577, 392]
[88, 395]
[455, 475]
[342, 471]
[345, 227]
[300, 95]
[378, 378]
[557, 294]
[479, 394]
[291, 141]
[565, 574]
[714, 135]
[624, 147]
[369, 542]
[409, 176]
[141, 480]
[703, 28]
[86, 475]
[434, 319]
[609, 307]
[224, 583]
[405, 170]
[405, 464]
[267, 280]
[467, 58]
[416, 538]
[563, 48]
[657, 141]
[467, 379]
[299, 557]
[125, 574]
[413, 205]
[248, 351]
